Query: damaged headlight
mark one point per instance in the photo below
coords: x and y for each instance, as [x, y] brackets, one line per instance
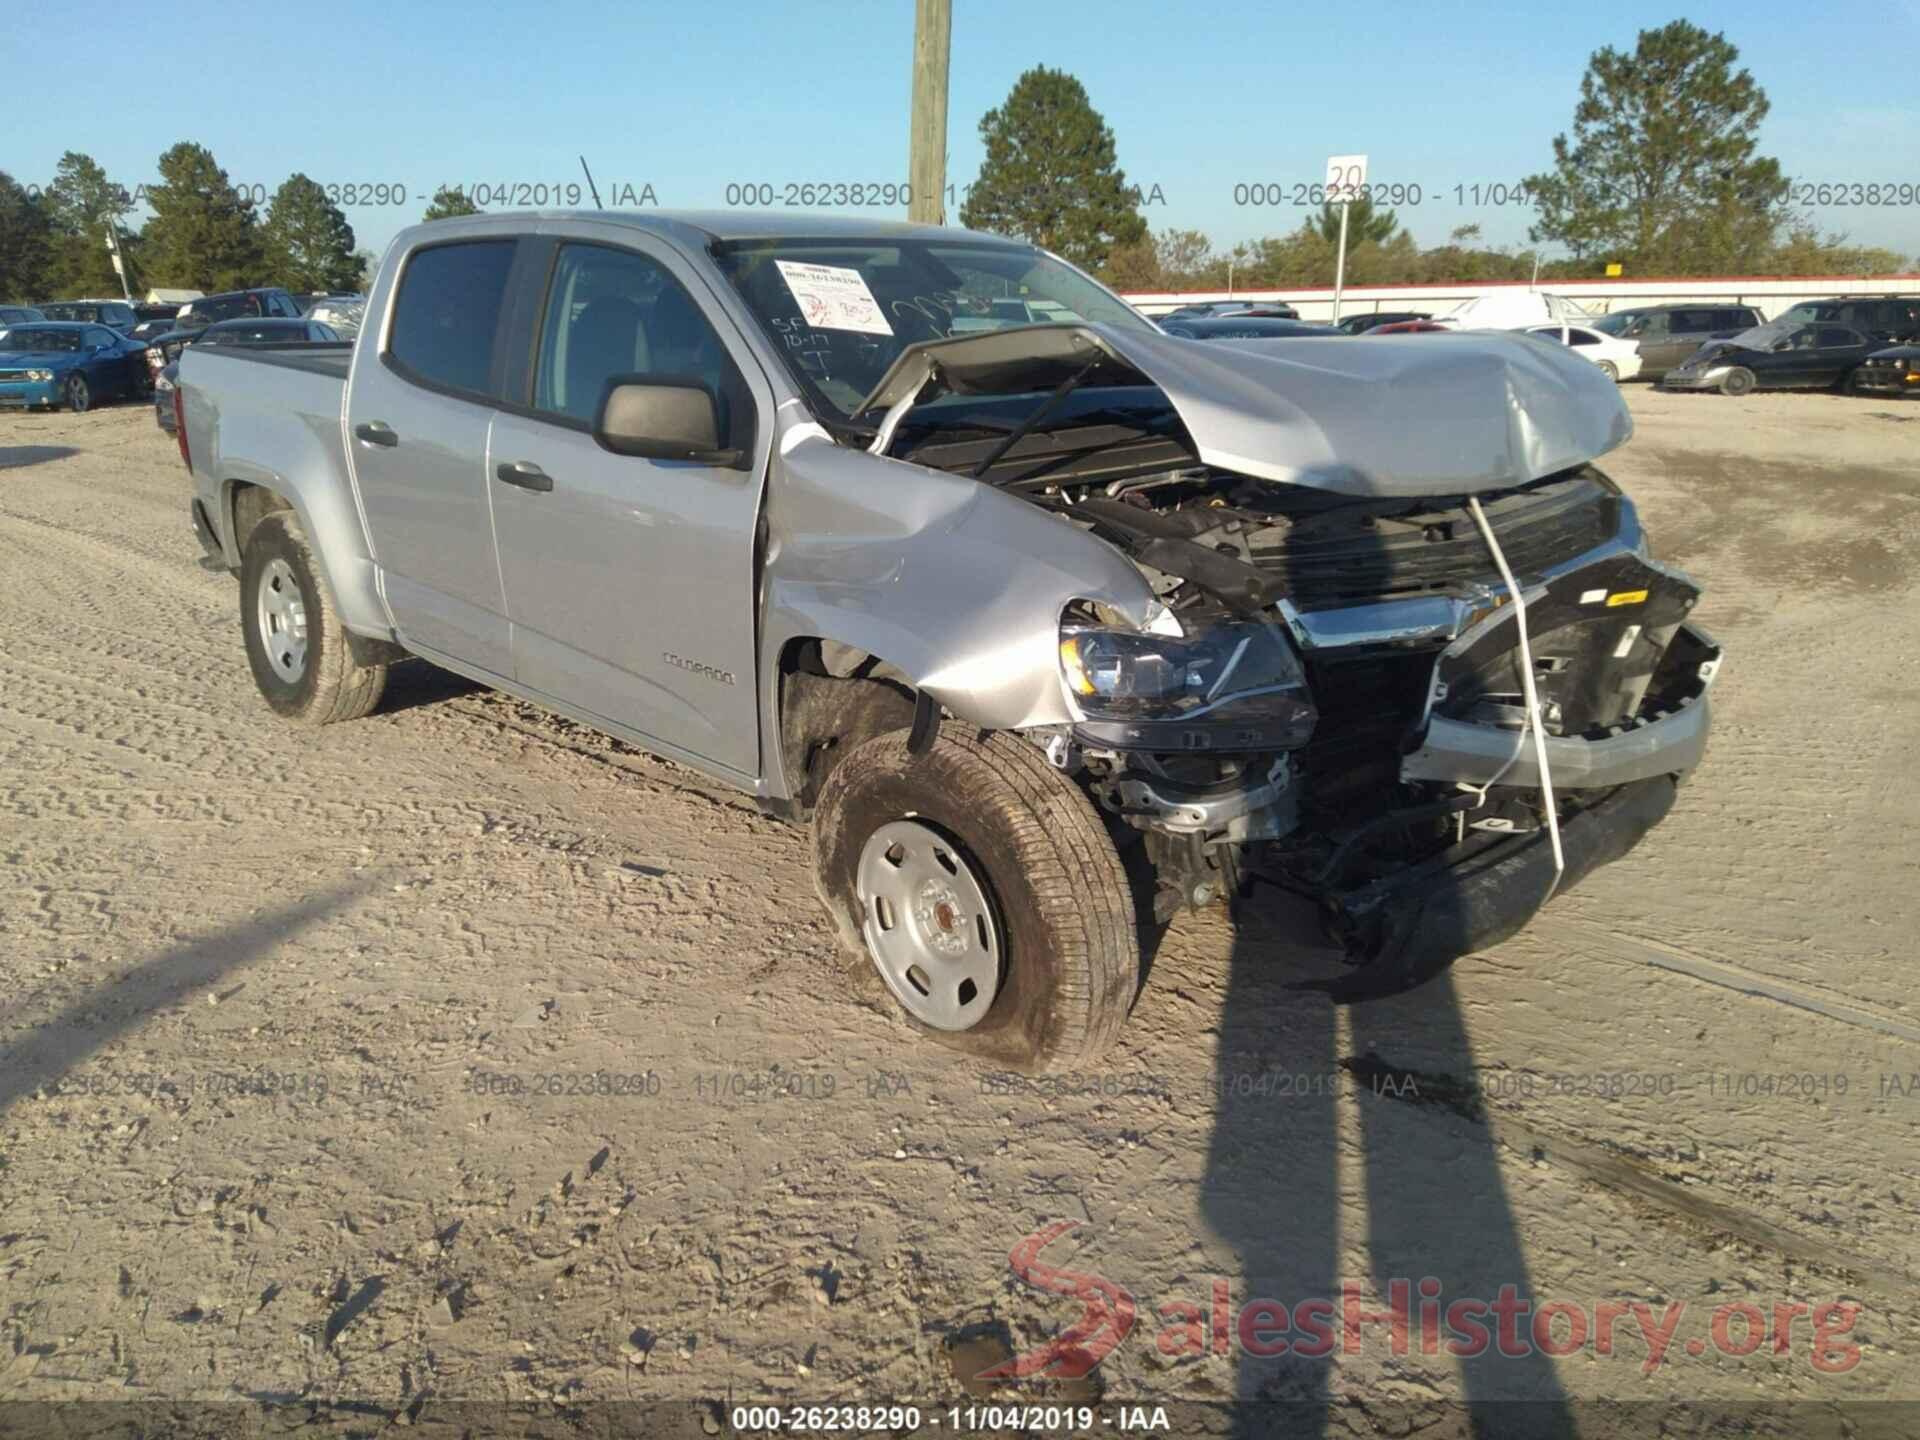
[1231, 686]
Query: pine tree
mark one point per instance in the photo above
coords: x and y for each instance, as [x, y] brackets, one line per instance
[202, 235]
[80, 204]
[1663, 170]
[26, 250]
[449, 203]
[307, 242]
[1050, 175]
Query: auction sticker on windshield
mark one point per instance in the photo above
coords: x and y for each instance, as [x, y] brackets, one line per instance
[834, 297]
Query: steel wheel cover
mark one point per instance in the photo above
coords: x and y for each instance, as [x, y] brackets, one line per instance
[281, 616]
[929, 925]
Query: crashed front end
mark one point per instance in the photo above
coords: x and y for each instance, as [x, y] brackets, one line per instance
[1329, 696]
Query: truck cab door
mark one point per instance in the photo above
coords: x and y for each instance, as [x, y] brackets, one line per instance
[629, 581]
[419, 411]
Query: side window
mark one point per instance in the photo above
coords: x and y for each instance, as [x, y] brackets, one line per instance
[1583, 337]
[447, 311]
[613, 312]
[100, 337]
[1838, 337]
[284, 306]
[1655, 326]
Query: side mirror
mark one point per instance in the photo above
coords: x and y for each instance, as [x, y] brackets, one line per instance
[661, 420]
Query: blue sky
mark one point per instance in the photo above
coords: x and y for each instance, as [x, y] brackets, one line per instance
[689, 100]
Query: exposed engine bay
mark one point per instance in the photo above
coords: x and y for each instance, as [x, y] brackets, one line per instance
[1332, 699]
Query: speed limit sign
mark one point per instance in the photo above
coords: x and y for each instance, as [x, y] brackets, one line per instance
[1346, 177]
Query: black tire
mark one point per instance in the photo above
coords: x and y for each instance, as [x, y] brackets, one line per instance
[1737, 381]
[328, 683]
[78, 394]
[1055, 881]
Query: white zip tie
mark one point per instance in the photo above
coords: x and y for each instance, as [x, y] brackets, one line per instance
[1532, 698]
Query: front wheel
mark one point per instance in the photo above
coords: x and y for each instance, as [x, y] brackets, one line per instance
[984, 888]
[1737, 381]
[301, 657]
[79, 395]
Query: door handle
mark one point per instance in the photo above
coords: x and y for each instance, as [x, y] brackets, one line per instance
[525, 474]
[376, 432]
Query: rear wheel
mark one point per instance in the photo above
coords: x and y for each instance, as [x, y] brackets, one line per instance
[1610, 370]
[1737, 381]
[300, 654]
[984, 888]
[79, 394]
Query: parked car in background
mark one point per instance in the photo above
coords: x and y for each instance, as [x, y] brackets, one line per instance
[1807, 357]
[1265, 309]
[116, 315]
[1407, 327]
[1891, 317]
[1893, 371]
[63, 362]
[342, 312]
[1242, 327]
[228, 332]
[268, 301]
[163, 349]
[1510, 310]
[1618, 359]
[150, 330]
[1665, 335]
[1360, 324]
[19, 314]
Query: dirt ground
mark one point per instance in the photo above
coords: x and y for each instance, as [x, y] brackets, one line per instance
[459, 1053]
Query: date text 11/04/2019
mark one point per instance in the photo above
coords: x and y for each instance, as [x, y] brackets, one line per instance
[960, 1419]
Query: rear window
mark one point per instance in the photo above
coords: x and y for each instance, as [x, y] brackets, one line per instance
[447, 311]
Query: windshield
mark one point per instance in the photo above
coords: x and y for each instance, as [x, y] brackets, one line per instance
[1616, 323]
[20, 339]
[841, 311]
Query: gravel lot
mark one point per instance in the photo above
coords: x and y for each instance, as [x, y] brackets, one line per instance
[1695, 1080]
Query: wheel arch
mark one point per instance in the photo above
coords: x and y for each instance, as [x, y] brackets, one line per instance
[826, 695]
[326, 513]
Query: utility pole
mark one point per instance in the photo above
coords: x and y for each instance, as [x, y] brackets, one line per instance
[927, 138]
[119, 261]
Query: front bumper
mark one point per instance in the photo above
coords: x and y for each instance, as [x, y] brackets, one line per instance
[1700, 380]
[25, 394]
[1888, 379]
[1408, 927]
[1667, 744]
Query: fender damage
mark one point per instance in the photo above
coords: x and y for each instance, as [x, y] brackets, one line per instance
[1014, 482]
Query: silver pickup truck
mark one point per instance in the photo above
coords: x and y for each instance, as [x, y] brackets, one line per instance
[1048, 622]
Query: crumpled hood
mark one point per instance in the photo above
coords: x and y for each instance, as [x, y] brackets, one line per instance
[1388, 415]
